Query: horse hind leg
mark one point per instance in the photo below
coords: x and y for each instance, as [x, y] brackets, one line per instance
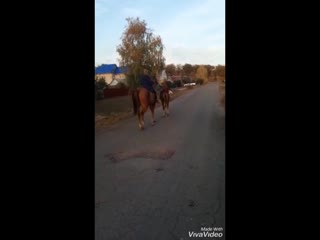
[142, 112]
[163, 107]
[141, 118]
[167, 111]
[141, 126]
[152, 114]
[167, 105]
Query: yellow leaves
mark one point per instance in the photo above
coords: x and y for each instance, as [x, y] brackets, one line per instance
[139, 47]
[202, 73]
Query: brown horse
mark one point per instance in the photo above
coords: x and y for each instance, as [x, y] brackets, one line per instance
[142, 99]
[165, 99]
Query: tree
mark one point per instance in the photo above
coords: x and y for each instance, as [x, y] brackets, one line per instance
[179, 70]
[187, 68]
[221, 71]
[101, 83]
[140, 49]
[171, 69]
[202, 73]
[209, 69]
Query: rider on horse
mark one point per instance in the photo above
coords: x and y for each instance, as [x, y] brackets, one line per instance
[147, 83]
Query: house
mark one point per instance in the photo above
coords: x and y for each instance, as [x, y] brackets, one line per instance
[111, 73]
[106, 71]
[120, 74]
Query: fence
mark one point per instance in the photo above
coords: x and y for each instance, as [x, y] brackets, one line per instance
[115, 92]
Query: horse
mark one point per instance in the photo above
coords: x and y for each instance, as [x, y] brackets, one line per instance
[143, 99]
[165, 99]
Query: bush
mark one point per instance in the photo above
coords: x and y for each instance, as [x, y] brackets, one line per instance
[186, 80]
[199, 81]
[99, 94]
[171, 84]
[178, 84]
[101, 83]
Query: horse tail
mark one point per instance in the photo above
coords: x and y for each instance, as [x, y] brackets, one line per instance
[135, 100]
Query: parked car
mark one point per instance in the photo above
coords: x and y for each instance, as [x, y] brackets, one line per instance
[189, 84]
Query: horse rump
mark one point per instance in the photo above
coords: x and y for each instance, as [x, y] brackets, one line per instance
[164, 96]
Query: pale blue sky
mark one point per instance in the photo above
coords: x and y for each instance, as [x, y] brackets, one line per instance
[192, 31]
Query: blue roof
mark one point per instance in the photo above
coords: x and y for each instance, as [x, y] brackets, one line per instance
[121, 70]
[106, 68]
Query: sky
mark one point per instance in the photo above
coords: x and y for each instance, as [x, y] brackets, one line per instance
[192, 31]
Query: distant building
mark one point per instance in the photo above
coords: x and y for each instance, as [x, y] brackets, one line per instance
[111, 73]
[120, 75]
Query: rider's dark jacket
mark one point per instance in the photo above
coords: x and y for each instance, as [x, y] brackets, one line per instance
[147, 83]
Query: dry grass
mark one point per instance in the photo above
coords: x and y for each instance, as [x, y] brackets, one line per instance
[107, 107]
[113, 118]
[110, 111]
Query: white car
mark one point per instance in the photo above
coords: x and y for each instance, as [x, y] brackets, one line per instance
[189, 84]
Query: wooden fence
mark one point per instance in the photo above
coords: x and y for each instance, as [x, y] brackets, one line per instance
[115, 92]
